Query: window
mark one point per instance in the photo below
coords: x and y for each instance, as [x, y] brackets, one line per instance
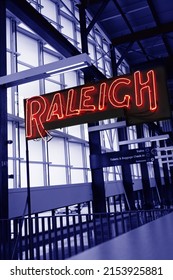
[65, 158]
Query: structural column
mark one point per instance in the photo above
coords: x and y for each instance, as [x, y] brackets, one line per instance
[157, 173]
[171, 190]
[122, 135]
[126, 172]
[158, 180]
[98, 185]
[166, 178]
[3, 138]
[148, 204]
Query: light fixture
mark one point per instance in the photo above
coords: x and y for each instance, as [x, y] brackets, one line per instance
[70, 64]
[61, 66]
[145, 139]
[68, 69]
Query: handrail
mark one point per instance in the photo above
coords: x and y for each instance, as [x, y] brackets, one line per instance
[61, 236]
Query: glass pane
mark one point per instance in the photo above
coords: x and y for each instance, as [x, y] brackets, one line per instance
[48, 9]
[28, 49]
[88, 157]
[56, 151]
[74, 130]
[92, 51]
[67, 27]
[51, 86]
[8, 33]
[48, 58]
[10, 172]
[25, 91]
[77, 176]
[68, 4]
[86, 132]
[57, 175]
[10, 137]
[8, 63]
[22, 144]
[23, 175]
[75, 155]
[35, 150]
[70, 79]
[9, 101]
[36, 175]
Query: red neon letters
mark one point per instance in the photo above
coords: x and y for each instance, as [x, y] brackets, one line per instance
[85, 103]
[147, 87]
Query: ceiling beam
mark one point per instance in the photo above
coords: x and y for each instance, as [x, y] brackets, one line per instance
[97, 16]
[157, 20]
[143, 34]
[167, 62]
[130, 27]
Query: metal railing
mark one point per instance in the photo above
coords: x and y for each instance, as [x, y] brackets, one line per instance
[61, 236]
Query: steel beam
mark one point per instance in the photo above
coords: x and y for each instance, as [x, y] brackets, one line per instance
[107, 126]
[157, 20]
[123, 55]
[129, 26]
[126, 172]
[34, 20]
[143, 34]
[166, 61]
[98, 185]
[96, 17]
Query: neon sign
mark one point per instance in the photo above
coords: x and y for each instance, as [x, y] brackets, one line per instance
[139, 97]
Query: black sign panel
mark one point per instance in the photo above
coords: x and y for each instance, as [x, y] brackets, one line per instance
[123, 157]
[138, 97]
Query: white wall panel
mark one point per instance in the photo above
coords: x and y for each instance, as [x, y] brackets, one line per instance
[48, 198]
